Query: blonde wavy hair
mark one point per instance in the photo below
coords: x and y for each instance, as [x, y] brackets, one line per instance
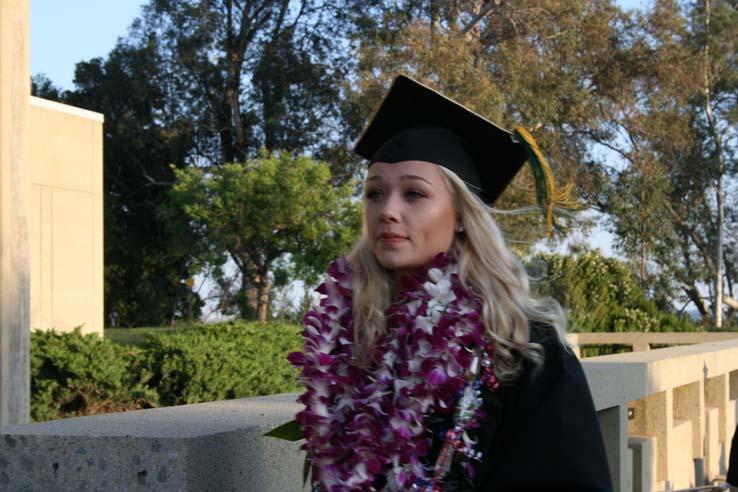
[486, 264]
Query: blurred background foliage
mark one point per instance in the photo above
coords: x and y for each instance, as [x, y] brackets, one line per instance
[601, 294]
[216, 112]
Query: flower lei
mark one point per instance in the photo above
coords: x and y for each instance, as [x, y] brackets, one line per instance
[365, 428]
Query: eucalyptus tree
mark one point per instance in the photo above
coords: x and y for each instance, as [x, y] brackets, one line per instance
[672, 123]
[529, 63]
[715, 27]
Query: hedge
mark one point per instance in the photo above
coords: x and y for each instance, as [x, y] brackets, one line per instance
[74, 374]
[217, 362]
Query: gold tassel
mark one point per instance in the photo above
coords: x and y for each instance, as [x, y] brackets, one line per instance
[547, 194]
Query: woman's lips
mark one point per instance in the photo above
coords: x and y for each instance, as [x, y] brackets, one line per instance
[391, 238]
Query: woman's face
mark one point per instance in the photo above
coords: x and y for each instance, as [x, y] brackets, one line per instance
[408, 213]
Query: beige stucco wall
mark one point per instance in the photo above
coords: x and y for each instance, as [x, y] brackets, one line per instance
[66, 217]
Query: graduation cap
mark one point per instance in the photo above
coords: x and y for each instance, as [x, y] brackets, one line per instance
[415, 122]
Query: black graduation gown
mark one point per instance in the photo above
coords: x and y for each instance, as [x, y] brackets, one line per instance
[542, 433]
[732, 478]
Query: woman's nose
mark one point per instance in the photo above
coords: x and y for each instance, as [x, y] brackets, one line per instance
[390, 211]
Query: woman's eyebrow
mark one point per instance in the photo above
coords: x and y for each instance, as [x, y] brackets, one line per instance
[404, 177]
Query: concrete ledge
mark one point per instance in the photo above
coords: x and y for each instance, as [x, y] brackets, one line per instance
[675, 392]
[205, 447]
[620, 378]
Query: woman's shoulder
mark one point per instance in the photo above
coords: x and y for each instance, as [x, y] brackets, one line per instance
[555, 350]
[546, 334]
[549, 403]
[556, 374]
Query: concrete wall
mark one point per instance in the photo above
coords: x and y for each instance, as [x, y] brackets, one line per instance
[681, 397]
[14, 206]
[205, 447]
[66, 217]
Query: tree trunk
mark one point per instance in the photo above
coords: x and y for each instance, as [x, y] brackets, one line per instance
[248, 303]
[719, 255]
[644, 232]
[263, 301]
[719, 193]
[484, 11]
[729, 278]
[699, 302]
[259, 296]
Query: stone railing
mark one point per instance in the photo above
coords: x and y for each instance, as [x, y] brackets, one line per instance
[640, 341]
[682, 401]
[667, 415]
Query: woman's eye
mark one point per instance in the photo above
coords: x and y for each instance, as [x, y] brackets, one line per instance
[414, 194]
[373, 194]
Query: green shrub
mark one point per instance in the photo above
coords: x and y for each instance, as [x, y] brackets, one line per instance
[600, 294]
[223, 361]
[74, 374]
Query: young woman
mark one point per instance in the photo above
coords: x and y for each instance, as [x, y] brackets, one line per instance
[428, 365]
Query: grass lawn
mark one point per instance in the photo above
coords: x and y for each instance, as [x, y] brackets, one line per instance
[137, 336]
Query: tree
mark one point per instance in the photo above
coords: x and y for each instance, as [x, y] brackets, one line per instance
[534, 64]
[716, 36]
[250, 74]
[601, 294]
[675, 134]
[272, 215]
[645, 127]
[229, 77]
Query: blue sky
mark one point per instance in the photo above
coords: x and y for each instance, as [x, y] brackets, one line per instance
[66, 32]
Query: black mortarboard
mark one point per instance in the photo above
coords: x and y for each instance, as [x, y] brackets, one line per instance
[415, 122]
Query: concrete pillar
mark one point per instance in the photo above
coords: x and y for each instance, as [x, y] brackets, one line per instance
[733, 395]
[641, 343]
[14, 201]
[714, 456]
[717, 395]
[644, 450]
[689, 404]
[614, 424]
[654, 417]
